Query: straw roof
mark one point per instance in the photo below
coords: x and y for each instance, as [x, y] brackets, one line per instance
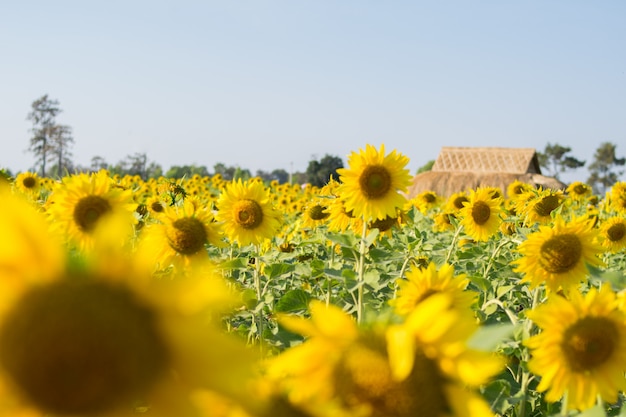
[488, 160]
[464, 168]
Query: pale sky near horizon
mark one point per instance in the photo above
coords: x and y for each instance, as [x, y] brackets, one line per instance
[273, 84]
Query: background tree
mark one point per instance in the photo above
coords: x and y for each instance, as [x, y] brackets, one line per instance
[186, 171]
[60, 142]
[43, 116]
[318, 173]
[428, 166]
[603, 169]
[555, 160]
[98, 163]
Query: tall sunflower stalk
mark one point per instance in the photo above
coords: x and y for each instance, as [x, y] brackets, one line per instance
[360, 272]
[370, 190]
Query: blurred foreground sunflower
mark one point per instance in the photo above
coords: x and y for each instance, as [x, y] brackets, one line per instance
[581, 349]
[420, 367]
[95, 339]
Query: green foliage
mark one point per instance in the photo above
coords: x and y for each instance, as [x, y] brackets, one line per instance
[318, 173]
[555, 160]
[603, 170]
[177, 172]
[428, 166]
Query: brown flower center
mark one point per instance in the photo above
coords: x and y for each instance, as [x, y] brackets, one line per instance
[616, 232]
[481, 212]
[187, 235]
[561, 253]
[429, 197]
[364, 377]
[248, 214]
[318, 212]
[546, 205]
[79, 347]
[375, 182]
[384, 224]
[458, 202]
[29, 182]
[88, 210]
[589, 343]
[156, 206]
[580, 189]
[519, 189]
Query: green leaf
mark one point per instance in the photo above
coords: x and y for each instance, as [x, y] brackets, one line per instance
[616, 278]
[236, 263]
[249, 298]
[597, 411]
[489, 337]
[480, 282]
[371, 237]
[293, 300]
[372, 278]
[343, 240]
[380, 255]
[276, 270]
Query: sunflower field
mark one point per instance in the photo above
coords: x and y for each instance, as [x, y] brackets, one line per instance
[203, 297]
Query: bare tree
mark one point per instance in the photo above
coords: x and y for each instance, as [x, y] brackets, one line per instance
[603, 171]
[42, 115]
[60, 142]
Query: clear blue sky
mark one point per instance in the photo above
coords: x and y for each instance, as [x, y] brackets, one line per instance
[273, 84]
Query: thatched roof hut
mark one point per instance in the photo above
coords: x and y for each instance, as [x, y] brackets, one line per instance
[464, 168]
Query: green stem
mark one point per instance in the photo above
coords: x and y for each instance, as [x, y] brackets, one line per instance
[493, 257]
[259, 294]
[564, 404]
[453, 243]
[499, 303]
[328, 279]
[361, 271]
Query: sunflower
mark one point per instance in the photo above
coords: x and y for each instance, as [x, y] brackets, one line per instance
[77, 204]
[557, 255]
[181, 236]
[314, 214]
[340, 219]
[425, 201]
[387, 225]
[617, 197]
[537, 206]
[372, 184]
[581, 350]
[480, 215]
[78, 339]
[517, 188]
[613, 233]
[422, 283]
[28, 183]
[247, 214]
[579, 191]
[456, 202]
[156, 205]
[443, 221]
[421, 367]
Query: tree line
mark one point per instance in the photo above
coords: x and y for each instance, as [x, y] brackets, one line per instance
[51, 144]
